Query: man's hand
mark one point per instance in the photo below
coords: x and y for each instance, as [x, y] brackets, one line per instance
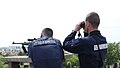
[77, 27]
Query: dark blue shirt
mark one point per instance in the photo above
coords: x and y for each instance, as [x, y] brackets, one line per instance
[45, 52]
[87, 49]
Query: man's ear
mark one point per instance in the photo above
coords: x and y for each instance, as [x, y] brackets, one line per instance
[89, 25]
[41, 35]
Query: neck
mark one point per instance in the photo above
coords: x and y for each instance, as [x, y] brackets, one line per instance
[92, 30]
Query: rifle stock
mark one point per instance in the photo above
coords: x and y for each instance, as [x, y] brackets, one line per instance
[23, 47]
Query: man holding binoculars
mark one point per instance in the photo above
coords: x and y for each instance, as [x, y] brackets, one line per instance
[92, 48]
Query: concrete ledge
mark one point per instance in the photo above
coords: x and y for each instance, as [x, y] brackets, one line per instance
[24, 58]
[17, 59]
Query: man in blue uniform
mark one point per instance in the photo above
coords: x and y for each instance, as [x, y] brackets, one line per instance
[46, 52]
[92, 48]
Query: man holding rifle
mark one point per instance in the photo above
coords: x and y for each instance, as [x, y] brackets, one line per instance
[46, 52]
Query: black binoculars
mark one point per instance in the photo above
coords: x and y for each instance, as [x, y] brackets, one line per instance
[82, 25]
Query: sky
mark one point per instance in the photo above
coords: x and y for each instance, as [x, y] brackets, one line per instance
[23, 19]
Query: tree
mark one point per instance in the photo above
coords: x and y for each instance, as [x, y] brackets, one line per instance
[72, 62]
[113, 53]
[2, 64]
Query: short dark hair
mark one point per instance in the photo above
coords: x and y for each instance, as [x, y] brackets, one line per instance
[48, 32]
[93, 18]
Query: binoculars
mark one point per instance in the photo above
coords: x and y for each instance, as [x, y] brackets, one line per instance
[82, 25]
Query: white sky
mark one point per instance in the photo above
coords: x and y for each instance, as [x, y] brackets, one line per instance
[23, 19]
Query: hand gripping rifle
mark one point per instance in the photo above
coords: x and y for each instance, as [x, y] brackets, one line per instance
[25, 43]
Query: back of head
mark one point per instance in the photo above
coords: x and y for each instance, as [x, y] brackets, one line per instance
[48, 32]
[94, 19]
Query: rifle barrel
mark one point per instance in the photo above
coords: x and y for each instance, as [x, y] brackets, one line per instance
[25, 43]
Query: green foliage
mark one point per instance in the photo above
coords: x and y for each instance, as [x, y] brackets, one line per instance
[2, 64]
[71, 62]
[5, 66]
[113, 54]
